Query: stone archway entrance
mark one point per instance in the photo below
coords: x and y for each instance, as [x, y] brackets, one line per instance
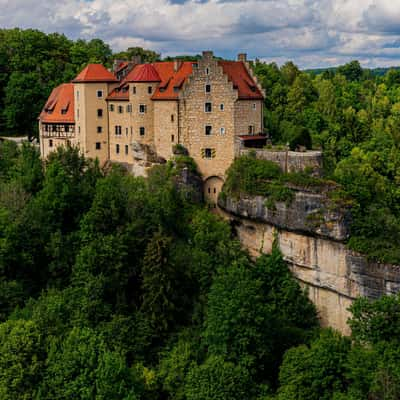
[212, 188]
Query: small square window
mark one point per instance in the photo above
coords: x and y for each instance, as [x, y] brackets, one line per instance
[208, 130]
[221, 107]
[111, 107]
[120, 109]
[149, 90]
[50, 143]
[208, 88]
[142, 108]
[207, 153]
[142, 131]
[99, 94]
[126, 149]
[99, 112]
[98, 145]
[172, 138]
[222, 131]
[99, 129]
[207, 107]
[117, 148]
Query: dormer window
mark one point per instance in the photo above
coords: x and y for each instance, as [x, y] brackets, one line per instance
[125, 89]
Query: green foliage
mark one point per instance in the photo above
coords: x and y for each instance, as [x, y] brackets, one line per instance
[217, 379]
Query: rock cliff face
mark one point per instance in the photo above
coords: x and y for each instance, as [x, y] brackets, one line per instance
[311, 233]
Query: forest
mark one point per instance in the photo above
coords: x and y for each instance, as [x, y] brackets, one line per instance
[118, 287]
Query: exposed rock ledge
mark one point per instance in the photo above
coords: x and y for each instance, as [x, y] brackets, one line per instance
[333, 274]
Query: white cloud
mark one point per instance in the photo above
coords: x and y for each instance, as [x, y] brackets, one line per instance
[311, 32]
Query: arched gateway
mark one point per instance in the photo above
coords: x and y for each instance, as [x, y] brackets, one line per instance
[212, 188]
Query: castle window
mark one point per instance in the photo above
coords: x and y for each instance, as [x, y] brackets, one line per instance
[77, 94]
[207, 107]
[54, 128]
[46, 128]
[117, 148]
[142, 131]
[222, 131]
[98, 145]
[99, 94]
[208, 130]
[126, 149]
[125, 89]
[208, 88]
[149, 89]
[172, 117]
[50, 143]
[120, 109]
[142, 108]
[99, 112]
[251, 130]
[207, 71]
[99, 129]
[254, 106]
[208, 153]
[63, 112]
[172, 138]
[215, 190]
[134, 89]
[66, 128]
[79, 129]
[126, 131]
[118, 130]
[77, 113]
[129, 108]
[221, 107]
[111, 107]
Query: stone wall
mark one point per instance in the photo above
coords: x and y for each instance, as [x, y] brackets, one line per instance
[290, 161]
[320, 260]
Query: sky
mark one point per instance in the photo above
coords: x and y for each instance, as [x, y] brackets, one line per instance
[312, 33]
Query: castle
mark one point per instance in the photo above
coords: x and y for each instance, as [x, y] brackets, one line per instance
[136, 114]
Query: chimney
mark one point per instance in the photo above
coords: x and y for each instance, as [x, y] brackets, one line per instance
[136, 60]
[177, 64]
[208, 54]
[242, 57]
[116, 63]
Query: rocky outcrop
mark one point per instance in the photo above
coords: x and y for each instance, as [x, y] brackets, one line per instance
[316, 253]
[190, 184]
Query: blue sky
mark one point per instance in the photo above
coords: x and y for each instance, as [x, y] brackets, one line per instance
[312, 33]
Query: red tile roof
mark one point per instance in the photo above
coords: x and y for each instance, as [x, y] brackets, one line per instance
[171, 80]
[143, 73]
[95, 73]
[60, 105]
[241, 79]
[119, 93]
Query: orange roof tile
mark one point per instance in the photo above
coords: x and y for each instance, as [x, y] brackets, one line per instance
[241, 79]
[59, 107]
[95, 73]
[119, 93]
[143, 73]
[171, 80]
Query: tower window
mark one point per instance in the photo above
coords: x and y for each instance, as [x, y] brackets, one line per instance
[172, 138]
[120, 109]
[111, 107]
[126, 149]
[221, 107]
[149, 90]
[50, 143]
[142, 131]
[208, 153]
[142, 108]
[99, 112]
[208, 88]
[99, 129]
[208, 130]
[207, 71]
[222, 131]
[207, 107]
[99, 94]
[251, 129]
[254, 106]
[98, 145]
[129, 108]
[117, 148]
[134, 89]
[172, 117]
